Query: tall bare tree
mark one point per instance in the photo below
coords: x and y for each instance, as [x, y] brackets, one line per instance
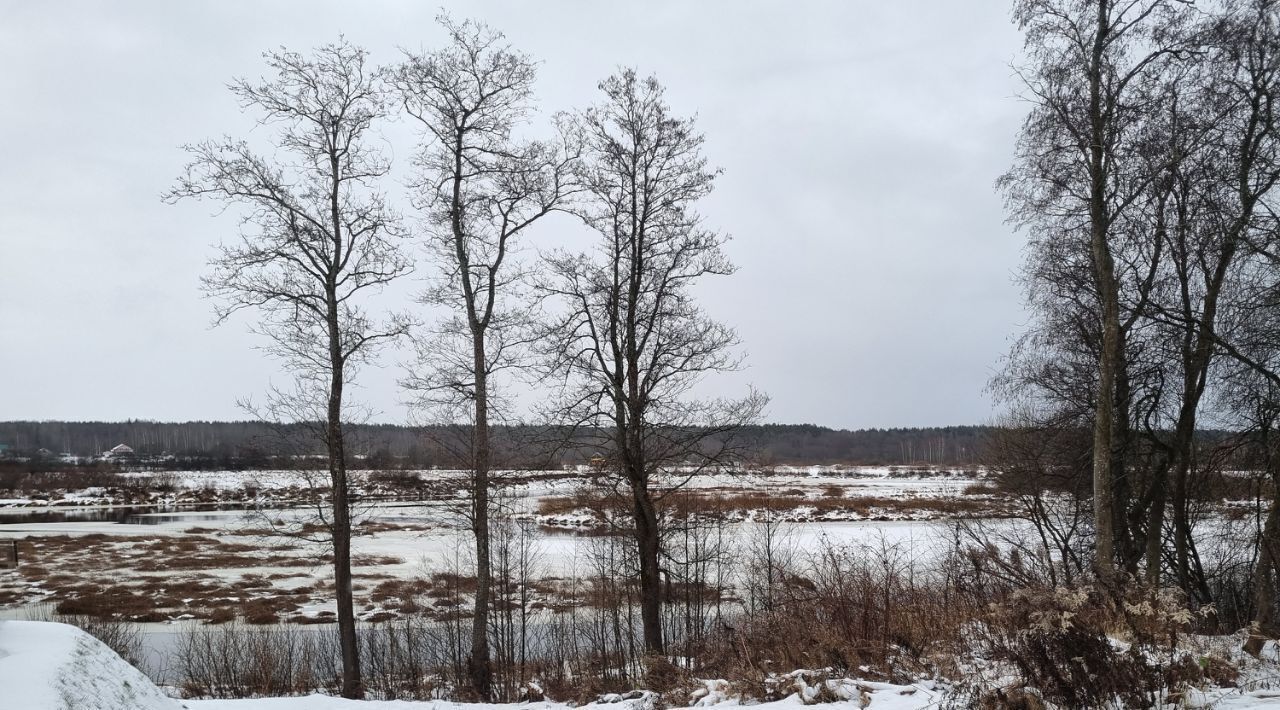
[630, 341]
[1236, 259]
[1220, 178]
[1092, 76]
[480, 190]
[317, 237]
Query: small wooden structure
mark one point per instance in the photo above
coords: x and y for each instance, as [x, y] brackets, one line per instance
[9, 555]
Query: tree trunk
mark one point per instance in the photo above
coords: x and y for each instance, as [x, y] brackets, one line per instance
[1104, 418]
[480, 667]
[1197, 357]
[341, 533]
[1181, 523]
[1264, 585]
[644, 514]
[1155, 530]
[647, 542]
[1108, 293]
[352, 687]
[1128, 552]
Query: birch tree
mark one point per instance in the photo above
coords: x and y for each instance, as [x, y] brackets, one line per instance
[1091, 79]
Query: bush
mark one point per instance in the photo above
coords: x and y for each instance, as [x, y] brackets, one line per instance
[1061, 643]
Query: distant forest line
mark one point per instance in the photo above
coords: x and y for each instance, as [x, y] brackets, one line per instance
[250, 444]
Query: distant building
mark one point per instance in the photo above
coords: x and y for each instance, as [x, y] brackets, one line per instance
[121, 451]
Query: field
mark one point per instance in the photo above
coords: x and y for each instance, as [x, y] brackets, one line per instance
[188, 560]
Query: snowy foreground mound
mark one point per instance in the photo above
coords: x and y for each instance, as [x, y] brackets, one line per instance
[46, 666]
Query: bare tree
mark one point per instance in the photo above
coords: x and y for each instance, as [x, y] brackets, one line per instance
[316, 238]
[480, 190]
[1237, 252]
[1220, 179]
[1093, 74]
[631, 342]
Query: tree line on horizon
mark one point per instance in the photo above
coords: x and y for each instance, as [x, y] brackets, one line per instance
[253, 444]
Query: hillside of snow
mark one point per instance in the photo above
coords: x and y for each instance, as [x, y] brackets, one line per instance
[48, 666]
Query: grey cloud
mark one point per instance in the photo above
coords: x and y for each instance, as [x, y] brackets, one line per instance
[860, 141]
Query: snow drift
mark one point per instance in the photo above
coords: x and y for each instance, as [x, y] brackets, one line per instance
[48, 666]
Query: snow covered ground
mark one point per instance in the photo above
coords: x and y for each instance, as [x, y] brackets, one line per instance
[415, 537]
[881, 480]
[434, 536]
[879, 696]
[49, 666]
[63, 668]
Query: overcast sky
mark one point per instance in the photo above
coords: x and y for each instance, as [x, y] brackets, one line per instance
[860, 140]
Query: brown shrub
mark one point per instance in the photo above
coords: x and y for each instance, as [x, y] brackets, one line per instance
[251, 581]
[220, 615]
[110, 603]
[1059, 642]
[456, 582]
[661, 676]
[265, 610]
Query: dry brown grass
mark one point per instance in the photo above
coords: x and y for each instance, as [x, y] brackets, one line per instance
[266, 610]
[582, 500]
[737, 505]
[830, 501]
[464, 584]
[221, 615]
[111, 602]
[159, 578]
[372, 527]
